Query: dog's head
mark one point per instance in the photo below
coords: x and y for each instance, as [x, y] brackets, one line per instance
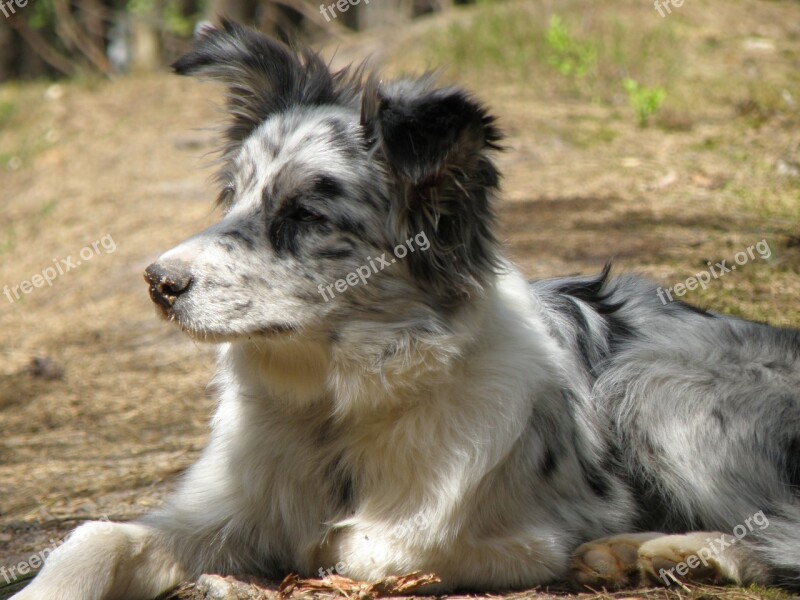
[345, 198]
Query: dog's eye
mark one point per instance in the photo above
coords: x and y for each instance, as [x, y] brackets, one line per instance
[304, 215]
[226, 195]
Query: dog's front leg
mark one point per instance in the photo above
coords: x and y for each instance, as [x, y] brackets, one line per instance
[107, 561]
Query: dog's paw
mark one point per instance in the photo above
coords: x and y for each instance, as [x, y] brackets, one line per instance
[610, 563]
[691, 557]
[655, 558]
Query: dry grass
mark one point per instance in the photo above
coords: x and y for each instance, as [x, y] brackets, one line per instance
[336, 589]
[583, 183]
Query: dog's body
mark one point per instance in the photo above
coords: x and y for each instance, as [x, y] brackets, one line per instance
[443, 415]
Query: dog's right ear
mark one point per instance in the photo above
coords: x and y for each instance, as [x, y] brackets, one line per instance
[263, 76]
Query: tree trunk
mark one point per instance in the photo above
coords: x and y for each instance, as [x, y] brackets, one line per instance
[8, 51]
[146, 44]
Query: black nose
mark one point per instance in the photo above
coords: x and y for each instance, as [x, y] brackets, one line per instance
[167, 281]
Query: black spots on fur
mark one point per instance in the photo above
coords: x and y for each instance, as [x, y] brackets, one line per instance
[595, 293]
[284, 236]
[592, 291]
[241, 238]
[370, 197]
[784, 577]
[328, 186]
[720, 419]
[620, 331]
[349, 144]
[341, 486]
[569, 308]
[290, 223]
[791, 466]
[333, 253]
[595, 479]
[551, 429]
[348, 224]
[778, 365]
[311, 210]
[343, 491]
[549, 463]
[655, 511]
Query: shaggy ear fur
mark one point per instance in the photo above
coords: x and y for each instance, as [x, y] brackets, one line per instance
[264, 76]
[436, 143]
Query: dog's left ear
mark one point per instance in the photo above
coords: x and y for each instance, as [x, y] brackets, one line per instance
[437, 144]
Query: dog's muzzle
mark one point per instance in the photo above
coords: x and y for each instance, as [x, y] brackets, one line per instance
[168, 281]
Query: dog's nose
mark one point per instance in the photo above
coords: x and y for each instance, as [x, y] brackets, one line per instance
[167, 281]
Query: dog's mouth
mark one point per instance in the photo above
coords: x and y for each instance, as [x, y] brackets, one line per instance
[215, 336]
[218, 337]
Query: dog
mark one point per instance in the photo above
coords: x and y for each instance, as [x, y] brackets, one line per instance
[394, 396]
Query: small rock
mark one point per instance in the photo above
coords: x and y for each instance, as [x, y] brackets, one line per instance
[788, 99]
[665, 181]
[787, 168]
[631, 162]
[759, 45]
[54, 92]
[44, 367]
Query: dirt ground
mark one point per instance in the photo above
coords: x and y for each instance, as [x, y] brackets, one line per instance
[102, 404]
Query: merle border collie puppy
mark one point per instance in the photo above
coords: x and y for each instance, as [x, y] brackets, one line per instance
[394, 396]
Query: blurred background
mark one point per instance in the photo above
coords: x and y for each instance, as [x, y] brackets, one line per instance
[52, 38]
[663, 136]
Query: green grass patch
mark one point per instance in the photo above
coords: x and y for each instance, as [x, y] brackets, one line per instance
[7, 112]
[645, 101]
[568, 55]
[562, 53]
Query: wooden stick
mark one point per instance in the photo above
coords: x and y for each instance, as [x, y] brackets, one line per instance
[74, 35]
[35, 41]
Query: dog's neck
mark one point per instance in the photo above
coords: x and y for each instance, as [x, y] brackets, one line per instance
[368, 367]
